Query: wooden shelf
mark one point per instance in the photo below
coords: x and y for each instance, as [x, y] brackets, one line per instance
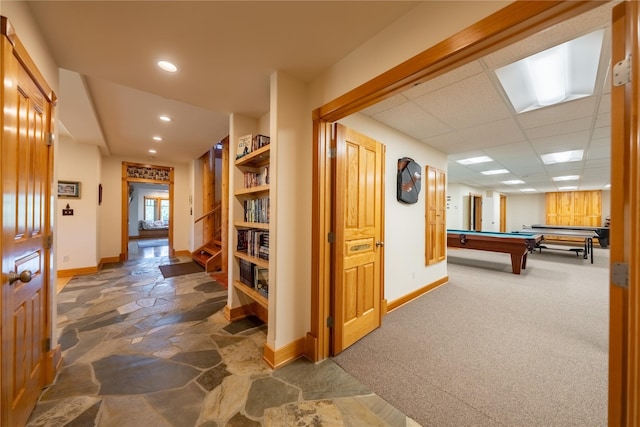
[257, 158]
[260, 225]
[252, 190]
[257, 261]
[251, 293]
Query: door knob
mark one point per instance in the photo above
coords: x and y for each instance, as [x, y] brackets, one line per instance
[24, 277]
[379, 243]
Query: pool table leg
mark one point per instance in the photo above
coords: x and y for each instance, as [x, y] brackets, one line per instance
[518, 262]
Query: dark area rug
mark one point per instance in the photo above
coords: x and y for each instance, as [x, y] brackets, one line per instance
[172, 270]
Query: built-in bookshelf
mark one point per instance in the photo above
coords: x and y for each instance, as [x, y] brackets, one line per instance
[251, 224]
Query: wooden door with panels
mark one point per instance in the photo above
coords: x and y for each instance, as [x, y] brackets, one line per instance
[358, 249]
[436, 233]
[26, 166]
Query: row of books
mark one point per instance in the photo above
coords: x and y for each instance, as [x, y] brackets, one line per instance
[249, 143]
[255, 179]
[254, 243]
[255, 277]
[256, 210]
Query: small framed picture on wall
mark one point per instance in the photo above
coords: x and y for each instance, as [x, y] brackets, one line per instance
[69, 189]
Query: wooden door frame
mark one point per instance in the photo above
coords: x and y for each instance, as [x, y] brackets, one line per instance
[475, 211]
[124, 241]
[514, 22]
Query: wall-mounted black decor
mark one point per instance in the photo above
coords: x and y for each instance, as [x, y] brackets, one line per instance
[409, 175]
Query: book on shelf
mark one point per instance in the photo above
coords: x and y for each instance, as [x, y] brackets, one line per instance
[244, 145]
[255, 179]
[256, 210]
[260, 141]
[247, 274]
[261, 281]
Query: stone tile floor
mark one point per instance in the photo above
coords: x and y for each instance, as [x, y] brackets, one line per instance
[141, 350]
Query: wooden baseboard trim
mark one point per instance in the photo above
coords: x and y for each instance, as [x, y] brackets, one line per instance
[184, 253]
[53, 364]
[415, 294]
[280, 357]
[311, 347]
[77, 271]
[242, 311]
[109, 260]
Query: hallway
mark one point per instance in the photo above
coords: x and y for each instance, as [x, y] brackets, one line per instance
[142, 350]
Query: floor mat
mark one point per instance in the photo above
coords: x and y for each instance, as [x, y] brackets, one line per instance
[172, 270]
[152, 243]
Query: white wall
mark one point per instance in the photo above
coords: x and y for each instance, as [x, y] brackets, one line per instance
[290, 198]
[404, 264]
[525, 210]
[77, 234]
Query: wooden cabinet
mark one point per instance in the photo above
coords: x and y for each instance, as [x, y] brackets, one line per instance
[436, 230]
[574, 208]
[251, 223]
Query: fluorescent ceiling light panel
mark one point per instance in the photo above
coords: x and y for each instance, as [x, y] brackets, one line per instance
[566, 178]
[165, 118]
[559, 74]
[157, 138]
[513, 182]
[474, 160]
[495, 172]
[607, 186]
[569, 187]
[527, 190]
[562, 157]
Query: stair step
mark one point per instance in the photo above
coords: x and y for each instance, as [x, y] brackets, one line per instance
[210, 249]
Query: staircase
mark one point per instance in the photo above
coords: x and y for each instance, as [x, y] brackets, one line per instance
[209, 256]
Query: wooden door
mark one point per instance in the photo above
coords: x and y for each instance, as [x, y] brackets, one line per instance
[503, 213]
[475, 212]
[435, 239]
[624, 294]
[26, 188]
[358, 253]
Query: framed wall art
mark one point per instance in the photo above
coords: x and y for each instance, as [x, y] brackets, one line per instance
[69, 189]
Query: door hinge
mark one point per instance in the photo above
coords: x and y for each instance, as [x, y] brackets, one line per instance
[330, 322]
[48, 241]
[332, 153]
[622, 72]
[620, 274]
[331, 237]
[46, 345]
[49, 138]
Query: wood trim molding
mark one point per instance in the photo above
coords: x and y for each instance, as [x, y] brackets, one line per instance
[78, 271]
[280, 357]
[417, 293]
[53, 362]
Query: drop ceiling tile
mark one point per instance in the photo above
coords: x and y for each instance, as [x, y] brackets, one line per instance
[569, 126]
[447, 79]
[602, 133]
[491, 134]
[471, 102]
[552, 144]
[566, 111]
[599, 149]
[411, 120]
[384, 105]
[605, 104]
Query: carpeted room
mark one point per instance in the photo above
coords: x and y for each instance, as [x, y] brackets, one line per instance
[494, 348]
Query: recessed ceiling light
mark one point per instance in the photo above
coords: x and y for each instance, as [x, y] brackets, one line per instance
[495, 172]
[527, 190]
[474, 160]
[513, 182]
[566, 178]
[165, 118]
[152, 151]
[167, 66]
[562, 157]
[569, 187]
[157, 138]
[562, 73]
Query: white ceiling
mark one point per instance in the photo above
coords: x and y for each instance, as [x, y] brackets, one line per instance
[111, 93]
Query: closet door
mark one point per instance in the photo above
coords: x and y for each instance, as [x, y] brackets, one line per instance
[436, 232]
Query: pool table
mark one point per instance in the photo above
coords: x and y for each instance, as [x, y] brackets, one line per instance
[518, 245]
